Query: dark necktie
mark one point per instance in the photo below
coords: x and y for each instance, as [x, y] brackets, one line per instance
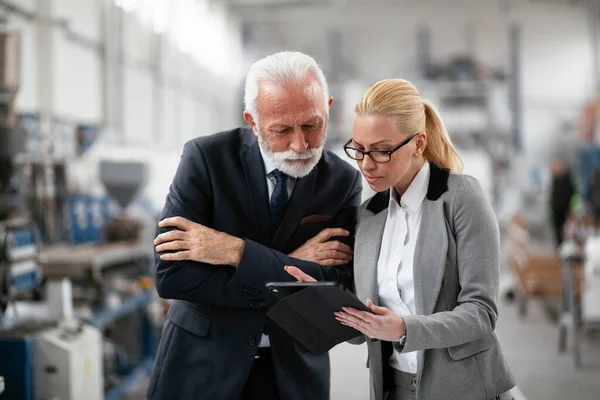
[279, 199]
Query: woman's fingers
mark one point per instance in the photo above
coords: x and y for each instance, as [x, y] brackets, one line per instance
[299, 274]
[344, 317]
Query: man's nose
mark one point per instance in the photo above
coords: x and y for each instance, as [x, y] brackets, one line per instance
[298, 143]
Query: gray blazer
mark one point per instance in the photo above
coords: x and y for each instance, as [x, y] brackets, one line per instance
[456, 274]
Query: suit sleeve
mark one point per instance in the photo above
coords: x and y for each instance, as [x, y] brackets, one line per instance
[190, 197]
[478, 262]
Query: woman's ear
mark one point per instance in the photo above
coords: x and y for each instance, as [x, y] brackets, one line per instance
[421, 142]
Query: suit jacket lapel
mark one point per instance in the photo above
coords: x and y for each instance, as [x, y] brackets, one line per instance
[371, 230]
[430, 257]
[295, 209]
[429, 262]
[368, 249]
[254, 170]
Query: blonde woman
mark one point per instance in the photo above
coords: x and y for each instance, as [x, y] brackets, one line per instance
[426, 258]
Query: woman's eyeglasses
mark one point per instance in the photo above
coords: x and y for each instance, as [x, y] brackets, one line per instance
[378, 156]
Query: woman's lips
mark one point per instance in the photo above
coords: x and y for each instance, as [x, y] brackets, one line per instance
[372, 179]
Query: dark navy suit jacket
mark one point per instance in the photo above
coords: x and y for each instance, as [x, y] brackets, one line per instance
[218, 314]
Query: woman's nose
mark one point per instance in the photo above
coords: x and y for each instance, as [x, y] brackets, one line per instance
[368, 164]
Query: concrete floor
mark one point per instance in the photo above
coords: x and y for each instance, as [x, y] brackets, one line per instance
[530, 345]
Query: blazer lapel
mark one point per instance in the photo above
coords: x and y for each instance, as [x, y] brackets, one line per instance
[430, 257]
[429, 262]
[256, 181]
[295, 209]
[368, 248]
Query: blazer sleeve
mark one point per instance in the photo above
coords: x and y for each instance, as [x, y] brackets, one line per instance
[190, 197]
[478, 262]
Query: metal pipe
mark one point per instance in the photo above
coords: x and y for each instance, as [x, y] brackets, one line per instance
[423, 39]
[104, 18]
[119, 82]
[593, 20]
[110, 67]
[516, 87]
[158, 94]
[45, 61]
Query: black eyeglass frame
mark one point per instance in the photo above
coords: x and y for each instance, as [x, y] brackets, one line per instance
[368, 153]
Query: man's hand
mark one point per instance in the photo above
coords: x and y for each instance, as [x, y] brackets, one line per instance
[299, 274]
[196, 242]
[321, 251]
[383, 324]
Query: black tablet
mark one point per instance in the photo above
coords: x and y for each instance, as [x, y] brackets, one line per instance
[307, 313]
[284, 289]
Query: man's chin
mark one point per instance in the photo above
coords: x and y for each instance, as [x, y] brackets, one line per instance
[297, 168]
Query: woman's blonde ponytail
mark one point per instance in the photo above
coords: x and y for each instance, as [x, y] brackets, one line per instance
[440, 149]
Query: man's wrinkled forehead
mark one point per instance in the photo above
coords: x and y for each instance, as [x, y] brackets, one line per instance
[305, 94]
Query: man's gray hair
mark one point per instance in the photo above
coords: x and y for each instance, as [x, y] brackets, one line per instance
[283, 67]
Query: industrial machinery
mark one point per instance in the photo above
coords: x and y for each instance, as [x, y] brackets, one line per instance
[19, 240]
[48, 359]
[123, 180]
[111, 281]
[69, 353]
[90, 350]
[80, 342]
[96, 269]
[20, 276]
[90, 354]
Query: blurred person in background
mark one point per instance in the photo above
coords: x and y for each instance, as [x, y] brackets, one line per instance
[562, 190]
[242, 205]
[426, 257]
[594, 197]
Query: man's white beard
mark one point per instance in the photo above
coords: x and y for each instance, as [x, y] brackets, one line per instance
[290, 168]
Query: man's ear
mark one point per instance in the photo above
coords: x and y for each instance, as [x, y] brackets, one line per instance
[250, 120]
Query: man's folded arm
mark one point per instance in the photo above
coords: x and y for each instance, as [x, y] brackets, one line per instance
[243, 286]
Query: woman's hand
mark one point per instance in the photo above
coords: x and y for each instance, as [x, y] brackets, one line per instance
[383, 324]
[299, 274]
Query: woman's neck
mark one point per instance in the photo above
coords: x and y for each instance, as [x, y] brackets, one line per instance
[402, 186]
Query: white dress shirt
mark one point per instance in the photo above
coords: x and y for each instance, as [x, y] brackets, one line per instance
[395, 279]
[269, 168]
[271, 182]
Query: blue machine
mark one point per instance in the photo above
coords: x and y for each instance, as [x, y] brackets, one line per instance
[588, 160]
[20, 271]
[87, 216]
[16, 366]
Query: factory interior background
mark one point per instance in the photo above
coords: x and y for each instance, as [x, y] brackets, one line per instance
[98, 97]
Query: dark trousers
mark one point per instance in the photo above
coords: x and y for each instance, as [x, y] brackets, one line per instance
[559, 219]
[261, 384]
